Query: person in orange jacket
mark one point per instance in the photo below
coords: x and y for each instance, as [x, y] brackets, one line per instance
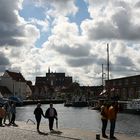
[112, 116]
[104, 119]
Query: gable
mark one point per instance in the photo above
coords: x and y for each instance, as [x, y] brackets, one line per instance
[6, 75]
[15, 76]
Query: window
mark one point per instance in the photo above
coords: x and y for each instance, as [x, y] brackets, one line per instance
[134, 81]
[126, 81]
[114, 83]
[120, 82]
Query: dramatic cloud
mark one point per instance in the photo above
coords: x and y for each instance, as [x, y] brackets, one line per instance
[4, 62]
[3, 59]
[38, 34]
[13, 29]
[115, 21]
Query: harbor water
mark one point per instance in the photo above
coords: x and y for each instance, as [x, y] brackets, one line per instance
[83, 118]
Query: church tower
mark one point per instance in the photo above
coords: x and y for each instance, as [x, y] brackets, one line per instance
[49, 70]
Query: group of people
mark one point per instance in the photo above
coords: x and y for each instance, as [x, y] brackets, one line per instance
[50, 114]
[109, 112]
[7, 111]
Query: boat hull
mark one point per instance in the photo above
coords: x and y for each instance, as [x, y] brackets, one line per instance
[132, 106]
[80, 104]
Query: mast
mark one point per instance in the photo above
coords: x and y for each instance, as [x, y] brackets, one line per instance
[102, 75]
[107, 61]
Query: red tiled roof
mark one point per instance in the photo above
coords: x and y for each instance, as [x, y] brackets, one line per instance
[16, 76]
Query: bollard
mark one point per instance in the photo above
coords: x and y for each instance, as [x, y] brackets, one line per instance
[97, 136]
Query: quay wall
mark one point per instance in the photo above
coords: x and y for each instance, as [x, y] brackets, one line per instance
[31, 102]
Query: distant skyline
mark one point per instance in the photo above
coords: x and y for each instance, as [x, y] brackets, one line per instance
[70, 36]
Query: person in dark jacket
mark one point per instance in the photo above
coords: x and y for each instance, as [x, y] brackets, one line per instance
[38, 113]
[13, 113]
[7, 108]
[51, 114]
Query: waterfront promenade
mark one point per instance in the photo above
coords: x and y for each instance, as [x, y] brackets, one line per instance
[27, 131]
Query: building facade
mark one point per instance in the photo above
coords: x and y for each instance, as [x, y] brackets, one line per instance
[46, 86]
[54, 79]
[124, 88]
[16, 84]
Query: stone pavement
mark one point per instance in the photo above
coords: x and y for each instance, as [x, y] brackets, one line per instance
[27, 131]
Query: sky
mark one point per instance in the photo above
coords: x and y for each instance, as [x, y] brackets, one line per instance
[70, 36]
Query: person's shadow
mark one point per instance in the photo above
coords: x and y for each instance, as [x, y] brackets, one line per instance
[56, 132]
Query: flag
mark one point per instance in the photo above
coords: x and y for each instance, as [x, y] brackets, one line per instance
[103, 92]
[113, 89]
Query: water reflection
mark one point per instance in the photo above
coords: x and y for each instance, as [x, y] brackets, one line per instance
[83, 118]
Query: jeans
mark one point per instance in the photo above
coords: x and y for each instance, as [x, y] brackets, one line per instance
[13, 118]
[38, 119]
[112, 127]
[104, 125]
[51, 120]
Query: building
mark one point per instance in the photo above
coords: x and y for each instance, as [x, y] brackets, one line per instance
[92, 91]
[4, 92]
[45, 86]
[15, 83]
[124, 88]
[56, 80]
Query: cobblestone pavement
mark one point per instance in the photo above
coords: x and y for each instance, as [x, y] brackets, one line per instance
[27, 131]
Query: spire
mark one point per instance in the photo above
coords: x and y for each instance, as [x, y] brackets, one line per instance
[49, 70]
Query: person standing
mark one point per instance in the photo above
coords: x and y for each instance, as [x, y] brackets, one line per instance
[2, 115]
[38, 112]
[51, 114]
[112, 116]
[104, 119]
[13, 113]
[7, 109]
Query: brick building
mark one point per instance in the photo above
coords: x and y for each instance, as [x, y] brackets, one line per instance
[125, 88]
[45, 86]
[54, 79]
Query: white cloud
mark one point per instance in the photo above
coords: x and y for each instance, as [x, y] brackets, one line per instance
[78, 50]
[112, 20]
[44, 24]
[58, 7]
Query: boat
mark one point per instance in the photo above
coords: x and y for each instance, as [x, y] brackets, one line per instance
[76, 101]
[68, 103]
[131, 106]
[80, 104]
[76, 104]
